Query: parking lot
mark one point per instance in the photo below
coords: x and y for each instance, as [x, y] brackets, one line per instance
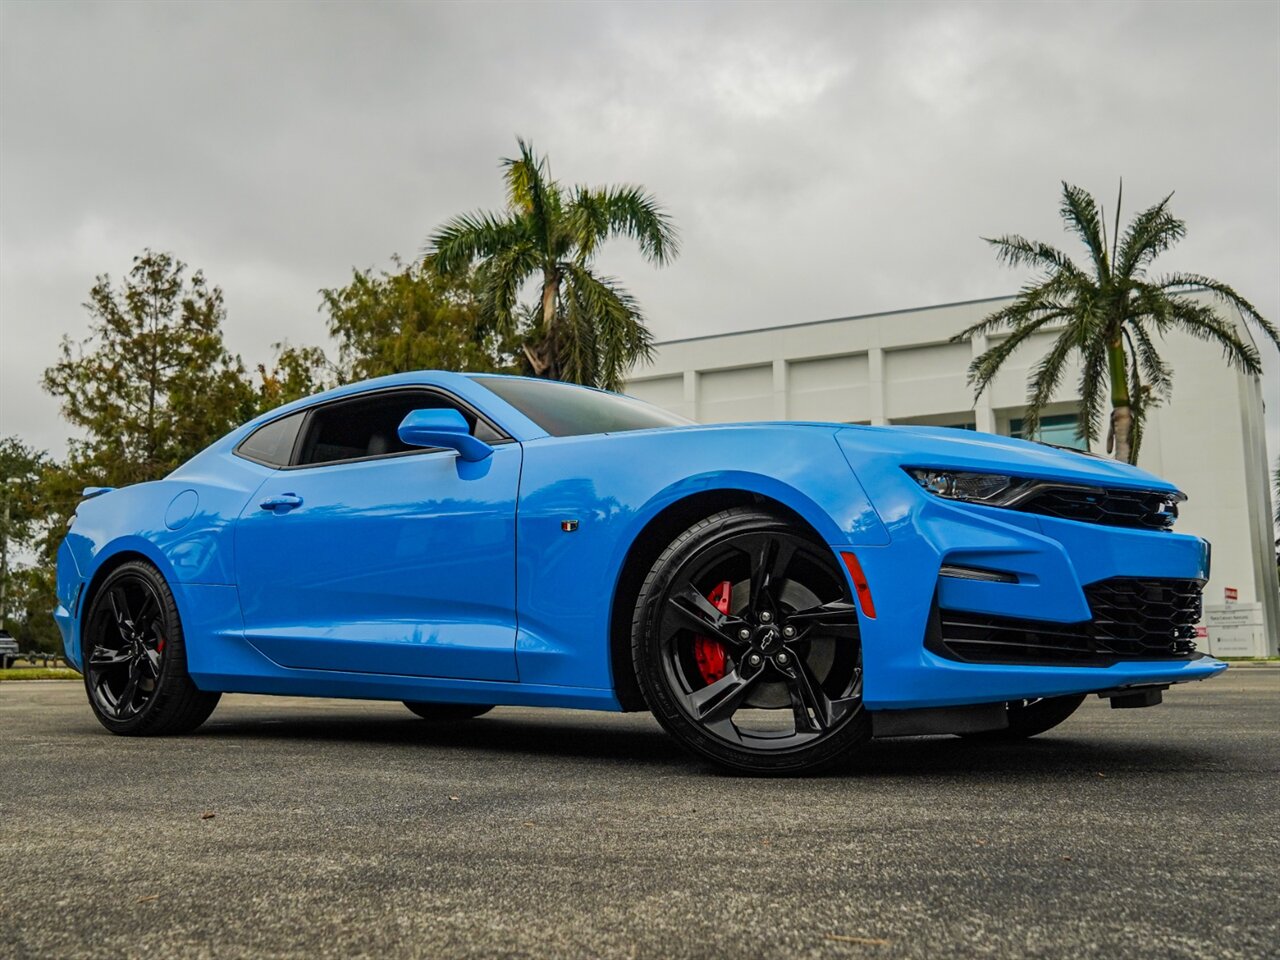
[333, 828]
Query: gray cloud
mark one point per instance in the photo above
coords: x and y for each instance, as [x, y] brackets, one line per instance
[821, 160]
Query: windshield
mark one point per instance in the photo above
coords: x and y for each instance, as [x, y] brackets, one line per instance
[565, 410]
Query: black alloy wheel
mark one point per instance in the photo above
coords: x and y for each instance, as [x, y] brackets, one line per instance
[135, 667]
[746, 646]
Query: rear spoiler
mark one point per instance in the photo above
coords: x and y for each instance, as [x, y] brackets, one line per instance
[90, 492]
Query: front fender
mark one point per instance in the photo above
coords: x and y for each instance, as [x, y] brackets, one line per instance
[608, 489]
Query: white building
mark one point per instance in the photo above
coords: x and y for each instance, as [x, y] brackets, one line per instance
[900, 367]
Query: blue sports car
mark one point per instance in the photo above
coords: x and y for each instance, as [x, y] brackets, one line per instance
[775, 593]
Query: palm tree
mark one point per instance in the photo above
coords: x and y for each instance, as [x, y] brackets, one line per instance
[1111, 313]
[1275, 488]
[584, 327]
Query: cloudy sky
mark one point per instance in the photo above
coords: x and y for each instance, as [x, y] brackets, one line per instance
[820, 160]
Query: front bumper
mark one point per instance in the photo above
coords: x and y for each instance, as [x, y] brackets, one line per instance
[1054, 561]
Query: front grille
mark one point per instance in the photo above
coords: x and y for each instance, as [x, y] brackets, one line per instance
[1133, 619]
[1144, 509]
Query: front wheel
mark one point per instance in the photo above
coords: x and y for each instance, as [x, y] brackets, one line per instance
[1027, 718]
[745, 643]
[135, 657]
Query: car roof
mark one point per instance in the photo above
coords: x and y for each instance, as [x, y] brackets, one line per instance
[466, 386]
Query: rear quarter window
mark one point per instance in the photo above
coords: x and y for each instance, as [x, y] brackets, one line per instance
[272, 443]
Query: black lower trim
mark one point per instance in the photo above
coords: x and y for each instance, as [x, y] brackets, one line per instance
[929, 721]
[1133, 619]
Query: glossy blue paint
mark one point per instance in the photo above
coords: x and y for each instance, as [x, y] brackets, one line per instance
[426, 575]
[398, 565]
[443, 428]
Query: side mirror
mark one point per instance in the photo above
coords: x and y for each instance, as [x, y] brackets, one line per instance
[442, 428]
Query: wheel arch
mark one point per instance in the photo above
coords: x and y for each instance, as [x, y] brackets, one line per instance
[655, 536]
[112, 558]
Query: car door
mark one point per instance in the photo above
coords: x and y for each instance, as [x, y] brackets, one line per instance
[366, 555]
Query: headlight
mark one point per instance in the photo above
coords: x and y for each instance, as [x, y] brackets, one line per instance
[974, 487]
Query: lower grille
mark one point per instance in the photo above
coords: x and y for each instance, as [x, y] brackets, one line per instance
[1133, 619]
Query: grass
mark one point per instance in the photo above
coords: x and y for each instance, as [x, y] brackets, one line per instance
[39, 673]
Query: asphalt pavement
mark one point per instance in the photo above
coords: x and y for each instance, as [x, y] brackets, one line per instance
[317, 828]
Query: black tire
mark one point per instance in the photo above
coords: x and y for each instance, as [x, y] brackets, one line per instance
[1027, 718]
[789, 653]
[446, 712]
[135, 657]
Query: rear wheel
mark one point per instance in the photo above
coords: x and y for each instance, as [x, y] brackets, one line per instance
[746, 646]
[135, 657]
[1027, 718]
[447, 711]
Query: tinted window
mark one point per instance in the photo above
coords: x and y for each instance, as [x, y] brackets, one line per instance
[368, 426]
[564, 410]
[272, 442]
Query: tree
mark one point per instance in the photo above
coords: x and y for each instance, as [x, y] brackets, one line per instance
[153, 383]
[21, 510]
[1275, 491]
[297, 372]
[1111, 314]
[411, 319]
[31, 598]
[583, 327]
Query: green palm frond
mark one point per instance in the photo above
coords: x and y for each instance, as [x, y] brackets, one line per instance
[629, 212]
[1275, 490]
[527, 179]
[586, 221]
[1143, 396]
[1032, 303]
[501, 278]
[1148, 235]
[1093, 377]
[1203, 323]
[619, 331]
[984, 368]
[1159, 374]
[1043, 381]
[1080, 212]
[455, 246]
[1186, 282]
[1016, 251]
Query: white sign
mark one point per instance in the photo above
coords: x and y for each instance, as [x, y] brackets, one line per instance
[1235, 630]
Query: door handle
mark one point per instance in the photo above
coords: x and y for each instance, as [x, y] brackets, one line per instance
[282, 503]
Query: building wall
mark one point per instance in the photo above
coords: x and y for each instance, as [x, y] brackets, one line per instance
[901, 367]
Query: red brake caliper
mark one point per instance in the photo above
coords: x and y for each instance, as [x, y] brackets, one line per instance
[709, 653]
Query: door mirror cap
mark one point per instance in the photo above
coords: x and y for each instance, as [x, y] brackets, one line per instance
[442, 428]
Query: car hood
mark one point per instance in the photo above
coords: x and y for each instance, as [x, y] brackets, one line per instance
[945, 447]
[955, 449]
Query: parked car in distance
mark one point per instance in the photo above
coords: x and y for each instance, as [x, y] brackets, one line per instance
[8, 649]
[775, 593]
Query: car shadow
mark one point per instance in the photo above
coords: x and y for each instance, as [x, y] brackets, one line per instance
[489, 734]
[1052, 755]
[610, 739]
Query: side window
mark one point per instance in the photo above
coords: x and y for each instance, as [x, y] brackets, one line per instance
[368, 426]
[272, 443]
